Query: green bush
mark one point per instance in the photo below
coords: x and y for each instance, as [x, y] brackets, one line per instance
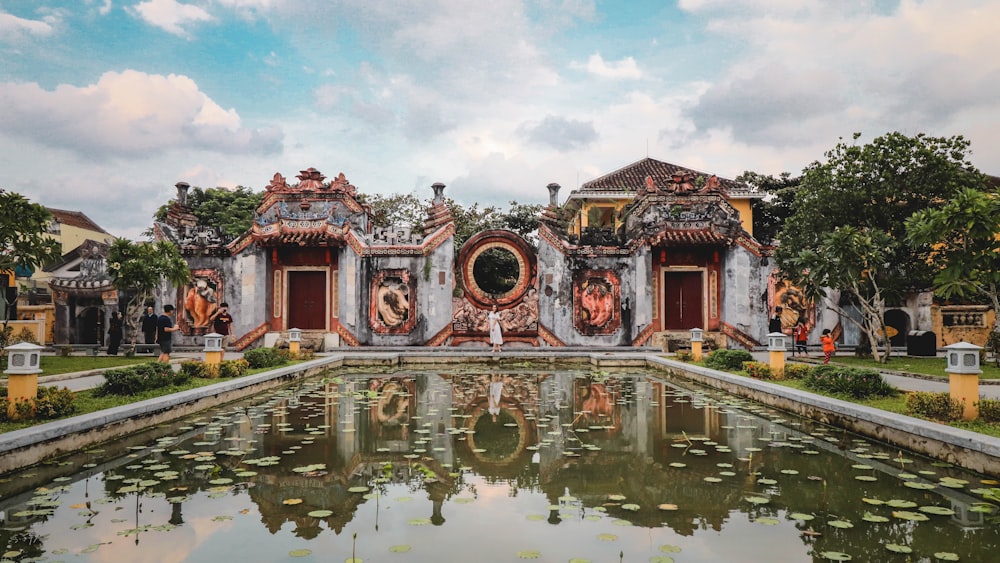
[728, 360]
[935, 406]
[233, 368]
[53, 402]
[989, 410]
[758, 370]
[797, 371]
[265, 357]
[135, 379]
[851, 382]
[197, 368]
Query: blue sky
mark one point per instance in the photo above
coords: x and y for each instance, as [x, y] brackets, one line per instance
[106, 104]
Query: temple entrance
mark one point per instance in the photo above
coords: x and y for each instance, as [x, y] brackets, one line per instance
[89, 326]
[307, 299]
[682, 300]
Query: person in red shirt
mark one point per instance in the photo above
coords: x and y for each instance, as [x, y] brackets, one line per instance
[801, 336]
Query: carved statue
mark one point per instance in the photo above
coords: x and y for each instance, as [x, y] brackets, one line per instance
[200, 303]
[597, 300]
[392, 302]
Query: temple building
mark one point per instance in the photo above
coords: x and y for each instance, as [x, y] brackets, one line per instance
[650, 250]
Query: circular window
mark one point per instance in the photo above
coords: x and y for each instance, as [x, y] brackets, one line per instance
[496, 268]
[496, 271]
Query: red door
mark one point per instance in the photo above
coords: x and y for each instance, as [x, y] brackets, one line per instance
[682, 301]
[307, 300]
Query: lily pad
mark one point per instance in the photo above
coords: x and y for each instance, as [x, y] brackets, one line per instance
[529, 554]
[938, 510]
[835, 556]
[946, 556]
[896, 548]
[399, 548]
[300, 553]
[321, 513]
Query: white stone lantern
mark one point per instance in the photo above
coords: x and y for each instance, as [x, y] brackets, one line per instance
[213, 342]
[963, 358]
[696, 342]
[696, 335]
[24, 358]
[776, 342]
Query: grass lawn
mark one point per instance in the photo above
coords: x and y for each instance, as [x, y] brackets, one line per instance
[87, 402]
[53, 365]
[924, 366]
[896, 404]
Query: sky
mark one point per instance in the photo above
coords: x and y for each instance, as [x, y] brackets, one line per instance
[106, 104]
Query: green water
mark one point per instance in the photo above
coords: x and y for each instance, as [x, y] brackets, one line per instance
[556, 466]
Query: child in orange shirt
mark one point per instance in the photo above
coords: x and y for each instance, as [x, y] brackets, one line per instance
[801, 336]
[828, 345]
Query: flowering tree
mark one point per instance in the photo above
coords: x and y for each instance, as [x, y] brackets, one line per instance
[138, 268]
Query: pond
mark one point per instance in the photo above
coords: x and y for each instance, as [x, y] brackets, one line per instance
[461, 465]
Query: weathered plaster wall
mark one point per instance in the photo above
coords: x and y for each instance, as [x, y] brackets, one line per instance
[744, 293]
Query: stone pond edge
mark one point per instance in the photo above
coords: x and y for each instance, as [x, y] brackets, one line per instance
[970, 450]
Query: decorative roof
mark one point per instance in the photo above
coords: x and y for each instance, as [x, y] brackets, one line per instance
[75, 219]
[631, 179]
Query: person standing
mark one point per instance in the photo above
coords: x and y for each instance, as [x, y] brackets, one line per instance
[774, 325]
[222, 323]
[148, 324]
[828, 345]
[496, 335]
[114, 333]
[164, 329]
[801, 336]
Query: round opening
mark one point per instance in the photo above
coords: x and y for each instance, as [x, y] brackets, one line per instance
[496, 271]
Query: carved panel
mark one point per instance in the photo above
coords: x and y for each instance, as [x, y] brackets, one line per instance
[596, 302]
[393, 302]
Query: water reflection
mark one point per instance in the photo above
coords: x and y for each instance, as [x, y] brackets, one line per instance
[569, 464]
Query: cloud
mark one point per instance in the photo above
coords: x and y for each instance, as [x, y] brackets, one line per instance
[170, 15]
[560, 133]
[13, 28]
[820, 70]
[623, 69]
[129, 114]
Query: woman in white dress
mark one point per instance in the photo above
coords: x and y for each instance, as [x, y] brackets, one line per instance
[496, 337]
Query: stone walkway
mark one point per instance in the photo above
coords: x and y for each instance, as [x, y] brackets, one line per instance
[89, 380]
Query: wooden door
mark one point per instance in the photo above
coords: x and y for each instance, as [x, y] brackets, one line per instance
[307, 300]
[682, 301]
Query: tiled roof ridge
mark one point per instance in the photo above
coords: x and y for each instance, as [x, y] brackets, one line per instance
[75, 219]
[636, 173]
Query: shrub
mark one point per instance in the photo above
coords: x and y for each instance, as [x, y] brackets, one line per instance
[4, 403]
[265, 357]
[728, 360]
[989, 410]
[758, 370]
[935, 406]
[797, 371]
[233, 368]
[684, 356]
[53, 402]
[852, 382]
[135, 379]
[198, 368]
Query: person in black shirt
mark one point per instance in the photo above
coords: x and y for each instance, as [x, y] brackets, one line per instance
[164, 328]
[148, 324]
[114, 333]
[222, 323]
[774, 325]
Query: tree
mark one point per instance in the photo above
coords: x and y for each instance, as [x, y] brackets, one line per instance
[228, 209]
[137, 269]
[850, 211]
[771, 212]
[24, 240]
[397, 209]
[964, 235]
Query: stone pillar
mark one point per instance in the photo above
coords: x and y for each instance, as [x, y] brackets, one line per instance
[553, 194]
[696, 342]
[213, 348]
[438, 188]
[23, 367]
[776, 350]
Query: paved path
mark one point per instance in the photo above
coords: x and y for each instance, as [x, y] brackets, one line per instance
[89, 380]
